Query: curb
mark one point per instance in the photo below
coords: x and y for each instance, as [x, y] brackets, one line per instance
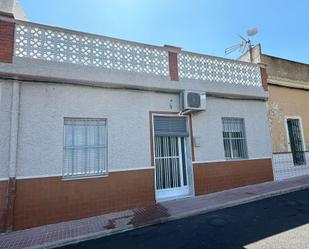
[97, 235]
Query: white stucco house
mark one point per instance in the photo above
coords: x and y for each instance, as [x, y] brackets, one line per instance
[92, 124]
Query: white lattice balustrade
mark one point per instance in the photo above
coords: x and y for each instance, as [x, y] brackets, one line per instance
[203, 67]
[59, 45]
[40, 42]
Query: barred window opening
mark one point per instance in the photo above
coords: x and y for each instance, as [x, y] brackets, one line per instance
[234, 138]
[85, 147]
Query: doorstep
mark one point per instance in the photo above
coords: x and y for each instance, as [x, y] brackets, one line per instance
[60, 234]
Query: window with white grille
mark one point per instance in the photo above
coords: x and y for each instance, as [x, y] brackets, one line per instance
[234, 138]
[85, 147]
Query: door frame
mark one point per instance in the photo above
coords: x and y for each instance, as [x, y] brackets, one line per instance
[287, 132]
[188, 144]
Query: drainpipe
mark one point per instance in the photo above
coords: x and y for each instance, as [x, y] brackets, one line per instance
[7, 29]
[13, 154]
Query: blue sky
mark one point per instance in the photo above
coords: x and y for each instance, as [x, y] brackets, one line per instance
[195, 25]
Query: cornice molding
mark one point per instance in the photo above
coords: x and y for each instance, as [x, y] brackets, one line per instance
[288, 82]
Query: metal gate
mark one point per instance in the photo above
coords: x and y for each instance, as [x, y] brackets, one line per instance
[171, 167]
[296, 142]
[171, 157]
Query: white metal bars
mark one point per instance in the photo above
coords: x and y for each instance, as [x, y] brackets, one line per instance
[59, 45]
[234, 138]
[170, 166]
[296, 141]
[215, 69]
[85, 147]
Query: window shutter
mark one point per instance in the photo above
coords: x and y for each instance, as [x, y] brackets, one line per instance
[170, 126]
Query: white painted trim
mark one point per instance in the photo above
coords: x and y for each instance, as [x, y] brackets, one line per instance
[178, 114]
[287, 131]
[131, 169]
[69, 178]
[37, 176]
[172, 193]
[219, 161]
[72, 178]
[86, 177]
[4, 179]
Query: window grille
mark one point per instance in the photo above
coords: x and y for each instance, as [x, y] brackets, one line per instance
[296, 141]
[170, 157]
[234, 138]
[85, 147]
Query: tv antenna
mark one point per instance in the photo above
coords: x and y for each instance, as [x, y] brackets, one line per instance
[245, 44]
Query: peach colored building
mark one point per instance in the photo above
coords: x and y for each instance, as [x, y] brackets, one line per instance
[288, 111]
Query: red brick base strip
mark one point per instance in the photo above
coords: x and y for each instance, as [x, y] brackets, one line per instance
[3, 204]
[219, 176]
[10, 203]
[49, 200]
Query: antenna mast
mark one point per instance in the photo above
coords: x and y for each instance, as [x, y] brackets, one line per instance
[244, 44]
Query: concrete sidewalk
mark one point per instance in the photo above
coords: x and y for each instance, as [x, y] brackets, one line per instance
[74, 231]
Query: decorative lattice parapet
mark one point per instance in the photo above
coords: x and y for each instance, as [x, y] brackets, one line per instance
[59, 45]
[214, 69]
[65, 46]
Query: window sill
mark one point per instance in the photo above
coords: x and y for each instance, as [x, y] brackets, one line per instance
[237, 159]
[71, 178]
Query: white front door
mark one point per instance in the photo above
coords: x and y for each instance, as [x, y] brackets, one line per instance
[171, 167]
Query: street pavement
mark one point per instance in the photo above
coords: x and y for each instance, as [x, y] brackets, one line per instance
[275, 223]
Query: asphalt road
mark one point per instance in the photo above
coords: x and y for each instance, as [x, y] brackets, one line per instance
[278, 222]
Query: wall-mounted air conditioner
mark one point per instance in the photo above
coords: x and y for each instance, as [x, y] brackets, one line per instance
[193, 101]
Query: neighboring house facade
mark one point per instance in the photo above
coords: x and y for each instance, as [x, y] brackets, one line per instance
[288, 102]
[91, 124]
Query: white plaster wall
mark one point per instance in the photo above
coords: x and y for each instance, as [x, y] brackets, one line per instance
[13, 7]
[5, 121]
[208, 126]
[6, 6]
[43, 108]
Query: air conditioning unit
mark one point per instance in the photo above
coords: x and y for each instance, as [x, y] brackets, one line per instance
[193, 101]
